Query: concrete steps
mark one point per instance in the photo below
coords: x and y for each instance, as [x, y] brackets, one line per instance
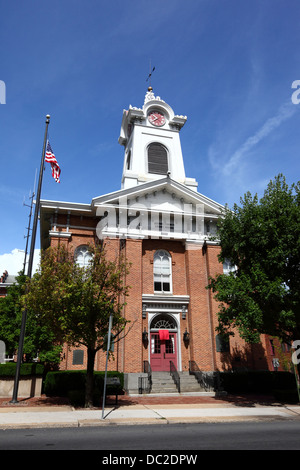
[162, 382]
[189, 383]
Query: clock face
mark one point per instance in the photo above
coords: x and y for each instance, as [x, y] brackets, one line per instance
[157, 118]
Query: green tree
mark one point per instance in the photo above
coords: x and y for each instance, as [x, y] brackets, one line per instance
[260, 238]
[77, 301]
[39, 338]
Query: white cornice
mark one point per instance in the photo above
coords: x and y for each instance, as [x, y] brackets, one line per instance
[115, 198]
[165, 299]
[65, 206]
[57, 234]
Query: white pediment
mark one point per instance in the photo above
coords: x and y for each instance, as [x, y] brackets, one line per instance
[162, 195]
[161, 209]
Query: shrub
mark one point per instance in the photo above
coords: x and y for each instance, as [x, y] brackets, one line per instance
[256, 381]
[286, 396]
[77, 398]
[60, 383]
[9, 369]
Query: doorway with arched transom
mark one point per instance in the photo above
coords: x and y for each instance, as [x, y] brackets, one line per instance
[163, 342]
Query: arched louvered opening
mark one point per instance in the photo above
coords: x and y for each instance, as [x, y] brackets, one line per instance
[157, 159]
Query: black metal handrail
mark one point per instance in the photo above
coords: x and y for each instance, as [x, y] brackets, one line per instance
[201, 377]
[175, 375]
[193, 367]
[148, 371]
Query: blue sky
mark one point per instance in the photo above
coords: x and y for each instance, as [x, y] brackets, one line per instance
[228, 65]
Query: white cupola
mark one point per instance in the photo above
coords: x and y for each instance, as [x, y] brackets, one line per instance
[150, 136]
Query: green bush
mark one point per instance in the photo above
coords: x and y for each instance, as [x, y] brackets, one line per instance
[233, 382]
[284, 381]
[286, 396]
[263, 382]
[60, 383]
[9, 369]
[77, 398]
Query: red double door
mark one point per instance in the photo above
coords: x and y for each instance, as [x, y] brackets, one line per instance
[162, 351]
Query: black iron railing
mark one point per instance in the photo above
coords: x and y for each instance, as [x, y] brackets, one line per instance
[145, 383]
[206, 381]
[175, 375]
[148, 370]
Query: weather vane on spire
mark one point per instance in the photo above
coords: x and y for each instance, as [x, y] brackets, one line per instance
[151, 70]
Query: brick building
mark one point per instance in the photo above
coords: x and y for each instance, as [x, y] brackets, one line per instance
[162, 224]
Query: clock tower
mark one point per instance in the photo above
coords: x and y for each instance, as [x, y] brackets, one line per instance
[150, 136]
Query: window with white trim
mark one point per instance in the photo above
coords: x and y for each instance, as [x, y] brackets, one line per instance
[162, 271]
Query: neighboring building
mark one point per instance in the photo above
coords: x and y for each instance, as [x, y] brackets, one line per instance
[162, 224]
[6, 280]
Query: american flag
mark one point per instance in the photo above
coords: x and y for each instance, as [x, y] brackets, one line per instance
[50, 157]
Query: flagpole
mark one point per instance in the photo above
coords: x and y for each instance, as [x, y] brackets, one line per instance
[30, 264]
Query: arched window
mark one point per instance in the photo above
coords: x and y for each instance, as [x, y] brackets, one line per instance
[163, 321]
[83, 256]
[157, 159]
[228, 267]
[162, 271]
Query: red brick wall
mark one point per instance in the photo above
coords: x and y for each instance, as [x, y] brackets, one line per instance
[191, 269]
[199, 318]
[132, 357]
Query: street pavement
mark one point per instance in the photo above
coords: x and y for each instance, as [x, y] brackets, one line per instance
[143, 410]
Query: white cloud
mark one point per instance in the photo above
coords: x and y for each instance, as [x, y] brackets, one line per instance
[231, 163]
[13, 262]
[284, 113]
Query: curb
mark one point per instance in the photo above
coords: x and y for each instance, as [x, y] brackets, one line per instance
[72, 418]
[141, 422]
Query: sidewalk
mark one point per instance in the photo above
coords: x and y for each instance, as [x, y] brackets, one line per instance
[167, 409]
